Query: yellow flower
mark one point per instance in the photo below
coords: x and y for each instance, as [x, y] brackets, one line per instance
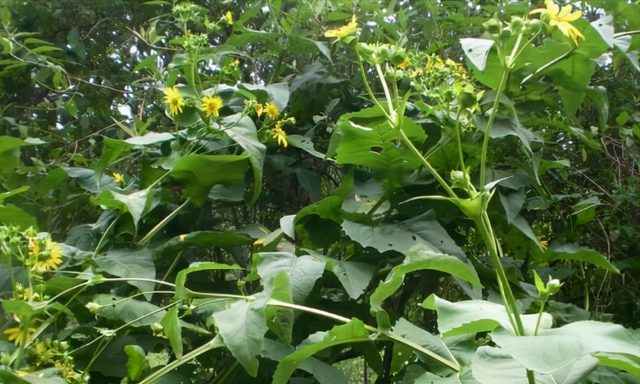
[345, 30]
[182, 237]
[229, 17]
[405, 63]
[271, 110]
[34, 246]
[280, 134]
[49, 260]
[561, 18]
[542, 243]
[259, 109]
[18, 335]
[174, 99]
[211, 105]
[118, 178]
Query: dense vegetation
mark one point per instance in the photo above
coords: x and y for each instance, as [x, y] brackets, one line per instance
[332, 191]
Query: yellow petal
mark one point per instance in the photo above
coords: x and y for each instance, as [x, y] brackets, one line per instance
[573, 16]
[552, 7]
[566, 10]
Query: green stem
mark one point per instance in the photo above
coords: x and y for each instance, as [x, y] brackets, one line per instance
[369, 91]
[459, 138]
[486, 231]
[104, 236]
[426, 164]
[164, 222]
[487, 131]
[387, 95]
[535, 332]
[213, 344]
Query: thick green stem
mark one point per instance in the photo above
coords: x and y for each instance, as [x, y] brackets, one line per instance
[459, 138]
[487, 131]
[161, 224]
[387, 94]
[369, 90]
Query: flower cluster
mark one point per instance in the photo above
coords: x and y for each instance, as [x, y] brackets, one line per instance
[210, 105]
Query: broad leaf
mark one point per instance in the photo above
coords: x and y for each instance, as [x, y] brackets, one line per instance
[418, 258]
[173, 331]
[302, 271]
[242, 328]
[136, 363]
[575, 252]
[129, 263]
[352, 332]
[473, 316]
[181, 291]
[136, 312]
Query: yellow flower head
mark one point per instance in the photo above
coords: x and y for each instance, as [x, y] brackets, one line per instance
[405, 63]
[345, 30]
[562, 19]
[229, 17]
[271, 110]
[49, 258]
[16, 334]
[211, 105]
[34, 246]
[118, 178]
[280, 134]
[259, 109]
[173, 98]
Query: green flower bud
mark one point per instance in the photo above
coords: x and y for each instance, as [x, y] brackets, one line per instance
[459, 179]
[545, 18]
[492, 26]
[5, 359]
[93, 307]
[467, 100]
[516, 24]
[157, 327]
[532, 26]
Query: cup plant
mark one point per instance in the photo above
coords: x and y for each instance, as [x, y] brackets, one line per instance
[173, 283]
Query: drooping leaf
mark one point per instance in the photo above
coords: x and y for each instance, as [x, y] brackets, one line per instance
[575, 252]
[352, 332]
[150, 138]
[173, 330]
[130, 263]
[201, 172]
[242, 130]
[242, 328]
[473, 316]
[127, 310]
[136, 363]
[418, 258]
[181, 291]
[280, 319]
[302, 271]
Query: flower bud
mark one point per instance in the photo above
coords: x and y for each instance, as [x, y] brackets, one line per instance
[516, 24]
[532, 26]
[492, 26]
[93, 307]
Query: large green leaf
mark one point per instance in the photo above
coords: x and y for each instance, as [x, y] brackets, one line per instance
[473, 316]
[352, 332]
[556, 348]
[181, 291]
[302, 271]
[385, 237]
[12, 215]
[418, 258]
[201, 172]
[10, 153]
[137, 204]
[203, 239]
[112, 150]
[280, 319]
[242, 130]
[136, 364]
[173, 331]
[242, 328]
[494, 366]
[423, 338]
[130, 263]
[127, 310]
[323, 372]
[575, 252]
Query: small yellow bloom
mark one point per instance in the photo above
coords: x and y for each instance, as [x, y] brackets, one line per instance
[118, 178]
[173, 98]
[259, 108]
[211, 105]
[49, 260]
[34, 246]
[280, 134]
[271, 110]
[182, 237]
[543, 244]
[405, 63]
[229, 17]
[345, 30]
[16, 334]
[562, 18]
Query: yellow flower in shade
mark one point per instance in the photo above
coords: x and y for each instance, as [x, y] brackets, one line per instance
[49, 260]
[562, 19]
[17, 335]
[173, 98]
[345, 30]
[280, 134]
[271, 110]
[405, 63]
[182, 237]
[118, 178]
[544, 244]
[229, 17]
[211, 105]
[259, 108]
[34, 246]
